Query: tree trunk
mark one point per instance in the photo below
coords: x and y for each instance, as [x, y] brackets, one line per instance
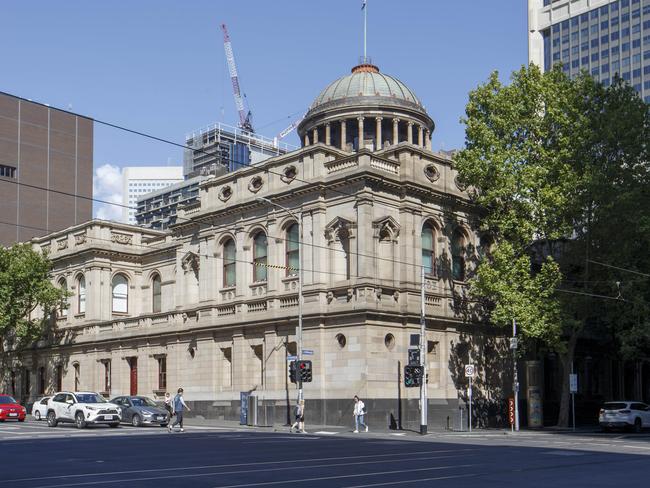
[565, 397]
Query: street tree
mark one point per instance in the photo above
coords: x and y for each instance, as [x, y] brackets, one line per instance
[27, 298]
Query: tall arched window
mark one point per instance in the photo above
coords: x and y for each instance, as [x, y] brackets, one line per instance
[81, 295]
[458, 255]
[428, 248]
[229, 263]
[293, 254]
[120, 286]
[63, 308]
[156, 298]
[260, 252]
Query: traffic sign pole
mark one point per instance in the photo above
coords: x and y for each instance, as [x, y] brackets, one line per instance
[515, 377]
[470, 404]
[423, 362]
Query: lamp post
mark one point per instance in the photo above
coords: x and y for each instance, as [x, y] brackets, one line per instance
[298, 217]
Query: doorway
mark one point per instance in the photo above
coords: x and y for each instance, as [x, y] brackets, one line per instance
[133, 370]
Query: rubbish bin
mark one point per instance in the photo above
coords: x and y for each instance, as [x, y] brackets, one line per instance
[252, 410]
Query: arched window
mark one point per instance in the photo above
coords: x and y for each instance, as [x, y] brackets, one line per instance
[229, 263]
[293, 254]
[260, 252]
[156, 304]
[458, 255]
[428, 248]
[63, 308]
[120, 286]
[81, 295]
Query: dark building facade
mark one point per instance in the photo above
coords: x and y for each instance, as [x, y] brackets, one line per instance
[41, 149]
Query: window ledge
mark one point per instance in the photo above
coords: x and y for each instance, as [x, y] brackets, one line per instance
[228, 288]
[258, 283]
[120, 314]
[80, 315]
[290, 278]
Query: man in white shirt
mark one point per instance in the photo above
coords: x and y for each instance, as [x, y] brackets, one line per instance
[359, 412]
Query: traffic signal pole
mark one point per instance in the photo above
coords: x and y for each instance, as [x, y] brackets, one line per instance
[423, 362]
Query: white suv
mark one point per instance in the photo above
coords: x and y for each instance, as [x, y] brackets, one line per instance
[635, 415]
[82, 408]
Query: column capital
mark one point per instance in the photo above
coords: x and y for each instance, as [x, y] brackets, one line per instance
[379, 119]
[411, 123]
[396, 120]
[327, 124]
[360, 118]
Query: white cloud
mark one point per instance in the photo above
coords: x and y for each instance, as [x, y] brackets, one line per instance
[107, 185]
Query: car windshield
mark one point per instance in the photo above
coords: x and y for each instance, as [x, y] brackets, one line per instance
[615, 406]
[143, 402]
[89, 398]
[6, 400]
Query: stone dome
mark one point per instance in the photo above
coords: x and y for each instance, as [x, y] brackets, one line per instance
[365, 80]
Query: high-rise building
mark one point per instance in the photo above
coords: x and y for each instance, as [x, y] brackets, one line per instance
[137, 181]
[603, 37]
[46, 169]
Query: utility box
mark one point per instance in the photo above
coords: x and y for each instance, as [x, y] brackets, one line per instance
[252, 410]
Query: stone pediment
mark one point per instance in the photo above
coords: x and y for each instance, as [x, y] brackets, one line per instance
[339, 228]
[386, 228]
[190, 262]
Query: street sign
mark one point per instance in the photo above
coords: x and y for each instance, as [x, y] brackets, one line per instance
[414, 357]
[292, 358]
[307, 352]
[573, 383]
[514, 342]
[414, 340]
[469, 371]
[511, 410]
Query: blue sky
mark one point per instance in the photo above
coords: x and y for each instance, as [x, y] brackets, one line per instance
[159, 66]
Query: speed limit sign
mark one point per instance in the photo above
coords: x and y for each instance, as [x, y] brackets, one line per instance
[469, 371]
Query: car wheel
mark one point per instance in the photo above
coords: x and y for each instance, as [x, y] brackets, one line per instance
[37, 415]
[79, 420]
[112, 426]
[51, 419]
[163, 425]
[136, 421]
[638, 426]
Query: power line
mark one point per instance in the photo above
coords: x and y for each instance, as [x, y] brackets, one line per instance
[619, 299]
[620, 269]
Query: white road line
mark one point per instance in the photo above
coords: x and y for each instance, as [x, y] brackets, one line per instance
[324, 432]
[216, 466]
[403, 482]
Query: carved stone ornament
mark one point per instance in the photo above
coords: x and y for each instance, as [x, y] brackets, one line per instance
[396, 295]
[225, 193]
[432, 173]
[62, 244]
[350, 294]
[45, 249]
[330, 297]
[80, 239]
[190, 262]
[255, 184]
[121, 238]
[386, 229]
[289, 174]
[338, 229]
[459, 184]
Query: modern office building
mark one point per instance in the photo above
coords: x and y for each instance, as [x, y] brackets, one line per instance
[223, 146]
[603, 37]
[138, 181]
[46, 158]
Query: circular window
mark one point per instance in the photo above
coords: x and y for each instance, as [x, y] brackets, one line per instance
[289, 174]
[389, 341]
[459, 184]
[225, 193]
[342, 341]
[431, 172]
[255, 184]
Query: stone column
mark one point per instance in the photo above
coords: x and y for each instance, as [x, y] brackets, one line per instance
[427, 139]
[395, 131]
[378, 133]
[409, 133]
[343, 134]
[420, 134]
[360, 120]
[327, 134]
[315, 135]
[306, 143]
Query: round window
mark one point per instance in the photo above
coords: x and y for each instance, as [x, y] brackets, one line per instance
[255, 184]
[342, 341]
[389, 341]
[431, 172]
[225, 193]
[289, 174]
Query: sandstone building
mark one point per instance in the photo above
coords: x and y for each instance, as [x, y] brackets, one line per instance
[211, 304]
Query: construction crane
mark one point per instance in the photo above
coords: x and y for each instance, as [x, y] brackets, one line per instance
[245, 117]
[288, 130]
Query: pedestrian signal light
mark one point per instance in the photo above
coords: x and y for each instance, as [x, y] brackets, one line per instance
[413, 376]
[292, 371]
[304, 371]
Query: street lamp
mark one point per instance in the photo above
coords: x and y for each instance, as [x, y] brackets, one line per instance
[298, 217]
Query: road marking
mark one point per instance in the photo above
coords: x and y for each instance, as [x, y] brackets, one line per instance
[324, 432]
[402, 482]
[564, 453]
[216, 466]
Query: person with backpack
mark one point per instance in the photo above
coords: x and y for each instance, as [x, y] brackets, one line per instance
[179, 408]
[300, 417]
[359, 412]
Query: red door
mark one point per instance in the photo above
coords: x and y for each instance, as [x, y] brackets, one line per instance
[133, 364]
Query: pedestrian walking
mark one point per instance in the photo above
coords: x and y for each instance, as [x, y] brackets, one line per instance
[300, 417]
[359, 412]
[179, 408]
[168, 407]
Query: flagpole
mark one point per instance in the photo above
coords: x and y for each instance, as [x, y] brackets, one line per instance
[365, 26]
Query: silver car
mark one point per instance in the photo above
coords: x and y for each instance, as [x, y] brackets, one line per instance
[141, 410]
[624, 414]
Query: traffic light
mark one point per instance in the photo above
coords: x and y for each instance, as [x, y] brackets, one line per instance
[304, 371]
[413, 376]
[292, 371]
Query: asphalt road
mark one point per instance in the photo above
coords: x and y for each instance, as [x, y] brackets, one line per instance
[33, 455]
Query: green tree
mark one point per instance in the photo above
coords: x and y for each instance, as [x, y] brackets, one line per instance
[27, 297]
[541, 155]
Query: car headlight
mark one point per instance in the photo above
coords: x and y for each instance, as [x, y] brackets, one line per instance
[92, 409]
[147, 413]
